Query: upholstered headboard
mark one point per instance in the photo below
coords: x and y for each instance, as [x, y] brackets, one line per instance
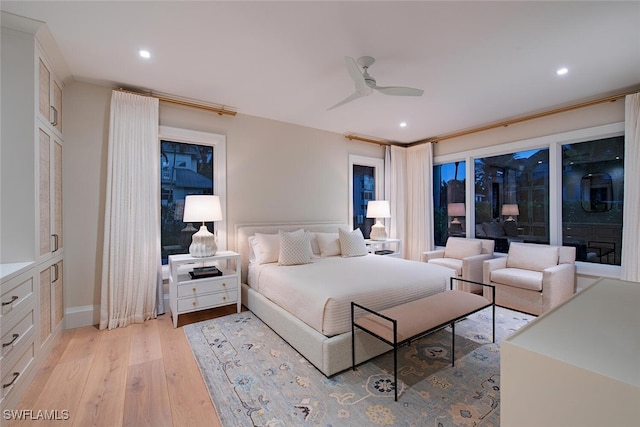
[244, 231]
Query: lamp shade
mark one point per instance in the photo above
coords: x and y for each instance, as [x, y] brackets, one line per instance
[378, 209]
[202, 208]
[510, 210]
[456, 209]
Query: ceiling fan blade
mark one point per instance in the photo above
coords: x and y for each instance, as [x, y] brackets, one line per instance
[354, 72]
[399, 90]
[353, 96]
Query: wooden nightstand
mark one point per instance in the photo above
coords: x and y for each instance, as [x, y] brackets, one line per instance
[187, 295]
[394, 245]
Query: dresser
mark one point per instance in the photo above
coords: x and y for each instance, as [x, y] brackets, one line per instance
[187, 295]
[577, 365]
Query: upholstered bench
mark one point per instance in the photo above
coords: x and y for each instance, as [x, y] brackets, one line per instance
[407, 322]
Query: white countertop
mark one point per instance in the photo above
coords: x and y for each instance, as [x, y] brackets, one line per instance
[598, 329]
[11, 269]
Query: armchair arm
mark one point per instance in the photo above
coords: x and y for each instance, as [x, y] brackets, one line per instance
[472, 266]
[558, 284]
[492, 264]
[438, 253]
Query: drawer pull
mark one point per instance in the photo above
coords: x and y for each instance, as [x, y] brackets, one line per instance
[13, 298]
[7, 344]
[194, 289]
[194, 303]
[15, 377]
[224, 285]
[224, 298]
[54, 122]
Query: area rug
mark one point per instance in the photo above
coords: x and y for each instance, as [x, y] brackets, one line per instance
[255, 378]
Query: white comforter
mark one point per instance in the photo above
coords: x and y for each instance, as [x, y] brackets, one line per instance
[320, 293]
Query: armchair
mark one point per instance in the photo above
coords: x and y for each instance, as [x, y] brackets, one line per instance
[465, 256]
[532, 278]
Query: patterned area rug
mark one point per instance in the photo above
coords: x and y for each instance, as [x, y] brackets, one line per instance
[255, 378]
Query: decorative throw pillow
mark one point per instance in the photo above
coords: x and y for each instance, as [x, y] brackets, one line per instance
[329, 244]
[295, 248]
[352, 243]
[268, 248]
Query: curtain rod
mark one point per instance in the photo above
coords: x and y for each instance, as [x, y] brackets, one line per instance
[162, 98]
[506, 123]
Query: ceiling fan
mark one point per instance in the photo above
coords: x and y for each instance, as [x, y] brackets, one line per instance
[365, 84]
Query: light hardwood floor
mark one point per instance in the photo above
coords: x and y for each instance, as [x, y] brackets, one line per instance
[141, 375]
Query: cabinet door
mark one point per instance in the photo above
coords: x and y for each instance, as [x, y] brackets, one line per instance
[50, 194]
[49, 96]
[44, 190]
[45, 304]
[57, 293]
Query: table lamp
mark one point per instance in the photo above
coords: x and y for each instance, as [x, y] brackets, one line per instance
[202, 208]
[378, 209]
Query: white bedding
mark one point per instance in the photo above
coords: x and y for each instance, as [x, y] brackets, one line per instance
[320, 293]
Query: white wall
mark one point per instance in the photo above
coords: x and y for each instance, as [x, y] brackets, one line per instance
[276, 172]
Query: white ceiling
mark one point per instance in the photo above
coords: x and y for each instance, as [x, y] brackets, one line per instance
[478, 62]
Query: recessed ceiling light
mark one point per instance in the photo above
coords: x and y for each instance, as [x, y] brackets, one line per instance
[562, 71]
[403, 124]
[145, 54]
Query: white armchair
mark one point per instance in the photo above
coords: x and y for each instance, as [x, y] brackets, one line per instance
[465, 256]
[532, 278]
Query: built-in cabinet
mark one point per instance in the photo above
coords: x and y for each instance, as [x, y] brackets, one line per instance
[31, 208]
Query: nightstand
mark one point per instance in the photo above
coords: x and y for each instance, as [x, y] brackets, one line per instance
[394, 245]
[187, 295]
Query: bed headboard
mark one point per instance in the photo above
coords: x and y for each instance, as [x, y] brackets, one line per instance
[244, 231]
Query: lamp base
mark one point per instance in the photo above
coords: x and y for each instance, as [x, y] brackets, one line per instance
[203, 243]
[378, 232]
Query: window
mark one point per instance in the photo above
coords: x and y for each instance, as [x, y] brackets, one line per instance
[592, 199]
[366, 179]
[449, 200]
[512, 198]
[190, 163]
[563, 189]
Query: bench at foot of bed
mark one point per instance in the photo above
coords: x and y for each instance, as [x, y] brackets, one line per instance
[407, 322]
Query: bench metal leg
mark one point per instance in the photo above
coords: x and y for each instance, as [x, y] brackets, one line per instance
[453, 343]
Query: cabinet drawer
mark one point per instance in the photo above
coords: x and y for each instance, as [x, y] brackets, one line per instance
[208, 300]
[14, 336]
[15, 295]
[203, 286]
[13, 373]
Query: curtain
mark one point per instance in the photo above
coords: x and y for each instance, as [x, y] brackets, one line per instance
[395, 178]
[419, 225]
[132, 212]
[631, 219]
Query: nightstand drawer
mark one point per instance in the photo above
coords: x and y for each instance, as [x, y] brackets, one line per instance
[205, 286]
[208, 300]
[14, 335]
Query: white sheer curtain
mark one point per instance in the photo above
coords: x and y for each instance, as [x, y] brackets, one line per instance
[132, 218]
[419, 227]
[631, 220]
[395, 191]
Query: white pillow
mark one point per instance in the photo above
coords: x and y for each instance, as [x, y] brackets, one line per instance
[352, 243]
[329, 244]
[295, 248]
[254, 249]
[268, 248]
[532, 257]
[462, 248]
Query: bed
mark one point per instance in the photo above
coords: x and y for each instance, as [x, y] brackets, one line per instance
[309, 305]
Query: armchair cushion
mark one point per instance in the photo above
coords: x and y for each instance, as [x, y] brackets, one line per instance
[454, 264]
[459, 248]
[518, 278]
[532, 257]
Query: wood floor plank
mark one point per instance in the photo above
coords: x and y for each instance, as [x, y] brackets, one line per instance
[103, 400]
[147, 399]
[145, 343]
[190, 401]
